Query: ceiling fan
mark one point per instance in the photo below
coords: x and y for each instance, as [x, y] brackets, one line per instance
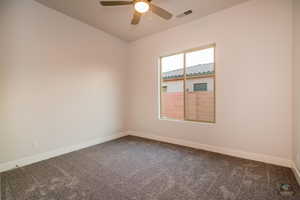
[140, 7]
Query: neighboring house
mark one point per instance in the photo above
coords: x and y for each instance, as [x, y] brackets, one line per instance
[199, 78]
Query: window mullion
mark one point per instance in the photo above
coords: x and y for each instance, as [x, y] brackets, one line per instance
[184, 86]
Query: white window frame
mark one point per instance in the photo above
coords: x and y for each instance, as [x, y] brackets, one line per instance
[184, 84]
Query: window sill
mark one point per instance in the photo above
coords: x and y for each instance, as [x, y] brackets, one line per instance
[187, 121]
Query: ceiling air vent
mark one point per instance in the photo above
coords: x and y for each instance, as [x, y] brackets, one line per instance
[188, 12]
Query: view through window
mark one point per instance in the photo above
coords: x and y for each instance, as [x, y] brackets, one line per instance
[188, 85]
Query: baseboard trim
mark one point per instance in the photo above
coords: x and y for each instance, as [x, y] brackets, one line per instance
[50, 154]
[227, 151]
[296, 173]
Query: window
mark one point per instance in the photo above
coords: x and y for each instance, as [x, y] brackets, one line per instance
[200, 87]
[187, 86]
[164, 88]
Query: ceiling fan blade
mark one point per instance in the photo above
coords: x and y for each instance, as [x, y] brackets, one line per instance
[136, 18]
[161, 12]
[115, 3]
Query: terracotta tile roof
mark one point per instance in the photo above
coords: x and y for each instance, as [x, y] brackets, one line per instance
[202, 69]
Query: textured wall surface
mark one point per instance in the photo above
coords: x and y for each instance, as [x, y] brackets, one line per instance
[61, 85]
[296, 85]
[253, 79]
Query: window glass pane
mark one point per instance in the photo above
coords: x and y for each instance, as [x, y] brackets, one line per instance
[200, 57]
[199, 86]
[172, 105]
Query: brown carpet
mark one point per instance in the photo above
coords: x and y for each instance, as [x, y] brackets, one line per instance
[132, 168]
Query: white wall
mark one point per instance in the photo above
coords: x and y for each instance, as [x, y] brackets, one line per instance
[177, 86]
[173, 86]
[253, 79]
[61, 80]
[296, 77]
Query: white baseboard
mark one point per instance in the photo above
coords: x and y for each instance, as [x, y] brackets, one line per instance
[227, 151]
[50, 154]
[232, 152]
[296, 172]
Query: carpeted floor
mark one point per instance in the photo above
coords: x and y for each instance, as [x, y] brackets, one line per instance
[132, 168]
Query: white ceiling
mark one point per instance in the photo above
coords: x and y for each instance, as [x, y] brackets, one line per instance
[116, 20]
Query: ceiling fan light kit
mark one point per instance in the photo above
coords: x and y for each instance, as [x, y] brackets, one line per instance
[140, 7]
